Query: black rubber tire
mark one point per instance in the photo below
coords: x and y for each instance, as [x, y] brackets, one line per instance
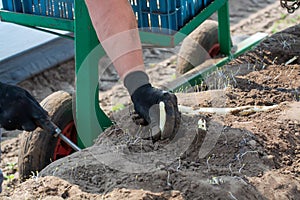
[37, 147]
[194, 49]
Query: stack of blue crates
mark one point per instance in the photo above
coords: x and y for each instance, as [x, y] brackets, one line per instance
[162, 16]
[53, 8]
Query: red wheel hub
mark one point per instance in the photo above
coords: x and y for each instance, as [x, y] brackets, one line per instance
[214, 50]
[62, 149]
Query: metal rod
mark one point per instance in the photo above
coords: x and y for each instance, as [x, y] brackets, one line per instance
[59, 134]
[68, 141]
[53, 129]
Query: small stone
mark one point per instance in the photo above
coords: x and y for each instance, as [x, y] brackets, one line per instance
[297, 133]
[252, 143]
[260, 174]
[270, 157]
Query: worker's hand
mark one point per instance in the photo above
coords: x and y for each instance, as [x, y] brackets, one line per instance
[146, 100]
[19, 110]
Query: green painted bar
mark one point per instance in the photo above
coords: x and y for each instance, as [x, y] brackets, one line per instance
[90, 119]
[156, 39]
[37, 20]
[224, 29]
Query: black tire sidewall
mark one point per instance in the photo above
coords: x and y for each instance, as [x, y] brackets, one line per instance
[37, 147]
[194, 49]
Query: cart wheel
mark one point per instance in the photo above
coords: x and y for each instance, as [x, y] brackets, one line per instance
[199, 46]
[39, 148]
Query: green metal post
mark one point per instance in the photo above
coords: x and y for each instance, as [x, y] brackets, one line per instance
[90, 119]
[224, 29]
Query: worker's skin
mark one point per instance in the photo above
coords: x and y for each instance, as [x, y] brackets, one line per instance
[116, 28]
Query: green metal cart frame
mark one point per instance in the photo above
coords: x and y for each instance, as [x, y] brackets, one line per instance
[90, 119]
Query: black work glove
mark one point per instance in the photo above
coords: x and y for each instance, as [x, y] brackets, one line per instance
[146, 100]
[19, 110]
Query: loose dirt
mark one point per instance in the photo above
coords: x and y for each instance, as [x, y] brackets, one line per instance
[246, 154]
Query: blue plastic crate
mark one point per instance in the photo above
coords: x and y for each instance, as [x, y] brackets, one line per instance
[53, 8]
[158, 15]
[163, 16]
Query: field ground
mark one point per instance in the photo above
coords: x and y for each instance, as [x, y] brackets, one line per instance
[243, 154]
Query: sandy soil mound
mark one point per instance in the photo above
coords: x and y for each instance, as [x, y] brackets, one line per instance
[53, 188]
[237, 155]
